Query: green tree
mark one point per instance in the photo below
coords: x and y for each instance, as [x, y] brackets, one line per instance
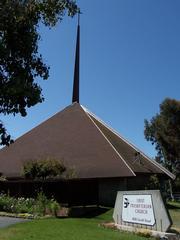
[163, 130]
[20, 61]
[43, 169]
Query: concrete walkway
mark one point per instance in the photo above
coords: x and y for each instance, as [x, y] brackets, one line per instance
[7, 221]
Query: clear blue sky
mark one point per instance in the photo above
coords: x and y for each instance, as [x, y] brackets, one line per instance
[130, 62]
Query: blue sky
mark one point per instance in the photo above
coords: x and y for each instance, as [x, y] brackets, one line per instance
[130, 62]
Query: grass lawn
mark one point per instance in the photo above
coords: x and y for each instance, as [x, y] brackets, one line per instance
[65, 229]
[174, 209]
[76, 228]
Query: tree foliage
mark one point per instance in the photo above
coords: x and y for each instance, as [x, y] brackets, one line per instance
[43, 169]
[163, 130]
[20, 61]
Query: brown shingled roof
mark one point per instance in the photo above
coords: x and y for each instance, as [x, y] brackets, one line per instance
[135, 158]
[80, 140]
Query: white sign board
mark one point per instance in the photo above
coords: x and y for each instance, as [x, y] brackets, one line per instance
[138, 209]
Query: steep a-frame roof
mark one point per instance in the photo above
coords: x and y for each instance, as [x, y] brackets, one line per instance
[81, 141]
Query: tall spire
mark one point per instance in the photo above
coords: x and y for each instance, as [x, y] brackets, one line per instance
[75, 97]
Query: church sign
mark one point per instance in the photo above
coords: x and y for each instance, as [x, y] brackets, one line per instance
[138, 209]
[141, 209]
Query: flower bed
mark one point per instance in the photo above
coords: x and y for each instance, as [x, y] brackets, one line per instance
[39, 206]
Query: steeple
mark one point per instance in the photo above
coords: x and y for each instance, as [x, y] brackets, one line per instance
[75, 97]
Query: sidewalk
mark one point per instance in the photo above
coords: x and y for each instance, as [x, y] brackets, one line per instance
[7, 221]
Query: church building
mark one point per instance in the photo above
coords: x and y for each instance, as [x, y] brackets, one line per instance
[102, 160]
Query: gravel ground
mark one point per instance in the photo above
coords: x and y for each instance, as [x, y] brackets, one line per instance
[7, 221]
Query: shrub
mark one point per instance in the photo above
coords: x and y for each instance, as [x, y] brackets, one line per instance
[54, 207]
[2, 177]
[70, 173]
[153, 182]
[7, 203]
[41, 204]
[25, 205]
[16, 205]
[38, 206]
